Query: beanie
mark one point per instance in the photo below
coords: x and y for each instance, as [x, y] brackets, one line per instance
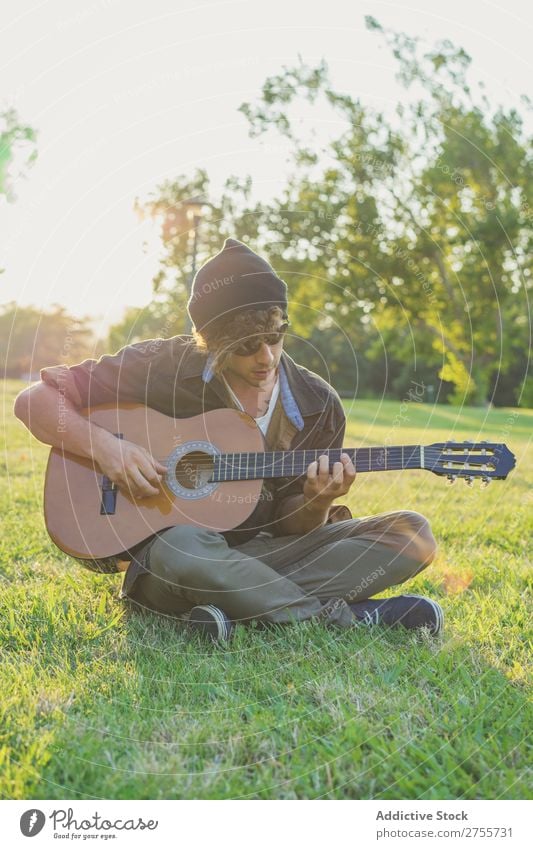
[234, 279]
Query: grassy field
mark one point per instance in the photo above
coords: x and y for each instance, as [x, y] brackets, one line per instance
[97, 701]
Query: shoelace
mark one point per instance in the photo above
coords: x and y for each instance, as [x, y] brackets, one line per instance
[371, 617]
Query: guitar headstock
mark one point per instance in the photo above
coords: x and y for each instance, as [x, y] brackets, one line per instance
[469, 460]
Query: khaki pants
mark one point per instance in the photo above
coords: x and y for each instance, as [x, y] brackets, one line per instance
[284, 579]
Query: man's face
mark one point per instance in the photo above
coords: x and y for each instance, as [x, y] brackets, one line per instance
[257, 368]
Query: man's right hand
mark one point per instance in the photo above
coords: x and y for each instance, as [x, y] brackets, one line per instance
[131, 467]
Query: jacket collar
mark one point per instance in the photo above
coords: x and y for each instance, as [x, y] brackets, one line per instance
[191, 362]
[295, 382]
[302, 384]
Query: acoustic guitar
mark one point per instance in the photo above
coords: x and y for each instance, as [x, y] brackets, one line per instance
[216, 464]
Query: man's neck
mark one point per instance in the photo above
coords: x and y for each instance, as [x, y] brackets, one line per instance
[253, 398]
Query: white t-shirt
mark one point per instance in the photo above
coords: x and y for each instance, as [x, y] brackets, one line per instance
[262, 421]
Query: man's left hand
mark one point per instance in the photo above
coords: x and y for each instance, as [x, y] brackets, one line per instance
[322, 488]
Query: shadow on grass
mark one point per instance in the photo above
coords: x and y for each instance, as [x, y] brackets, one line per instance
[297, 712]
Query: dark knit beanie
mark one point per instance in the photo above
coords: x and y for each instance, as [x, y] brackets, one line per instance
[234, 279]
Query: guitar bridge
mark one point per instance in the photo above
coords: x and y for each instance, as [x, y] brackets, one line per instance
[108, 504]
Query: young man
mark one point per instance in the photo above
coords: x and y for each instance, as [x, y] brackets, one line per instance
[297, 557]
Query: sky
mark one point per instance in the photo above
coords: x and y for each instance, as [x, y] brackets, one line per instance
[125, 94]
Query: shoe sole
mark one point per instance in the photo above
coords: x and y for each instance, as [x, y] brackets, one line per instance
[208, 620]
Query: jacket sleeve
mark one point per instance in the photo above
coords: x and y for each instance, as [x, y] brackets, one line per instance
[124, 376]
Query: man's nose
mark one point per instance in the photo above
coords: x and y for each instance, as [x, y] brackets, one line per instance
[264, 355]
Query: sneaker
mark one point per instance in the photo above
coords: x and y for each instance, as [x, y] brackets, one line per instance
[211, 621]
[410, 611]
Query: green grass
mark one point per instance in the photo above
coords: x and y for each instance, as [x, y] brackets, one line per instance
[99, 701]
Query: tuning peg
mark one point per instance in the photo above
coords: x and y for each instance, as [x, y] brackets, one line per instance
[451, 479]
[485, 482]
[469, 481]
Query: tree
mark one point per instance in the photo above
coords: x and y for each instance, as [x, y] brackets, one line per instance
[167, 205]
[410, 230]
[421, 225]
[157, 320]
[17, 151]
[31, 339]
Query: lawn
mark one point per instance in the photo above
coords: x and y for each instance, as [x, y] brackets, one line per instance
[98, 701]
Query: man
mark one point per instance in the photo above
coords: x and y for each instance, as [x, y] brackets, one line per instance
[297, 557]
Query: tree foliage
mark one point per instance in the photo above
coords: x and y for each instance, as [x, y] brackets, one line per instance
[411, 231]
[167, 206]
[31, 339]
[428, 224]
[17, 151]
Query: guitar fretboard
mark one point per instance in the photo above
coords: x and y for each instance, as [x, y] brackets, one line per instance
[280, 464]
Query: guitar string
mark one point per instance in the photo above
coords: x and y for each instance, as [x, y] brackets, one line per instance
[281, 455]
[242, 460]
[275, 460]
[432, 457]
[393, 464]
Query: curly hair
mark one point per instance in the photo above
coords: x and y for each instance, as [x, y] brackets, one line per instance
[221, 336]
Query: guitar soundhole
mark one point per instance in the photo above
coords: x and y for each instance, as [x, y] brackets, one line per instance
[194, 470]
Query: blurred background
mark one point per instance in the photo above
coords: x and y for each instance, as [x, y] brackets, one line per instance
[377, 154]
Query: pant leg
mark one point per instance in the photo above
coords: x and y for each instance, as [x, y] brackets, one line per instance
[189, 566]
[352, 569]
[354, 561]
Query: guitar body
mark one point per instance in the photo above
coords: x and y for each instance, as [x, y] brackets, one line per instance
[215, 466]
[88, 518]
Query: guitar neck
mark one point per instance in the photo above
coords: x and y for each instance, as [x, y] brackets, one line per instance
[280, 464]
